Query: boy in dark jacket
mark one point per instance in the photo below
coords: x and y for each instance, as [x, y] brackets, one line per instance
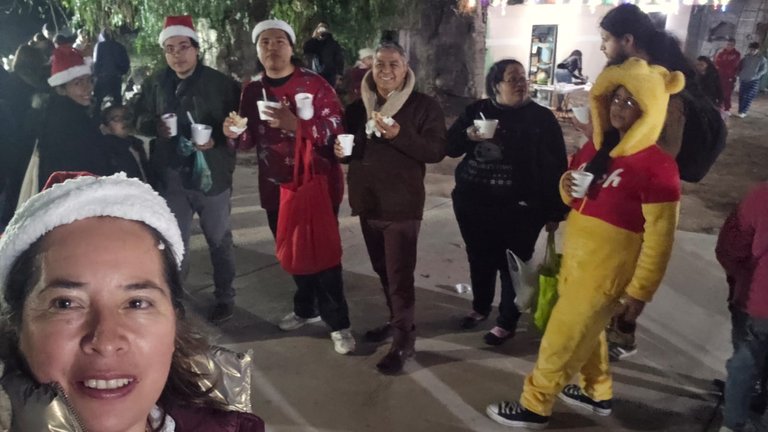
[126, 153]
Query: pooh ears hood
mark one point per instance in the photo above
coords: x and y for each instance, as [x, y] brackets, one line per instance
[650, 86]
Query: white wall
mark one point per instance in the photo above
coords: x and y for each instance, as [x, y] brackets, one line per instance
[509, 35]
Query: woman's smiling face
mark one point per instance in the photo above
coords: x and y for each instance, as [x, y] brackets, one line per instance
[100, 321]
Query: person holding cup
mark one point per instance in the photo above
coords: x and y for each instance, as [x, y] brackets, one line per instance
[617, 242]
[298, 102]
[397, 131]
[176, 97]
[506, 187]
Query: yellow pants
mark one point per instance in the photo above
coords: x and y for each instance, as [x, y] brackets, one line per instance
[574, 341]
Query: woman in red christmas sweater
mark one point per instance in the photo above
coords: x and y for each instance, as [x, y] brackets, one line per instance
[274, 139]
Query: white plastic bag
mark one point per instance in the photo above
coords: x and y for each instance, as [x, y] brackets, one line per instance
[29, 185]
[524, 279]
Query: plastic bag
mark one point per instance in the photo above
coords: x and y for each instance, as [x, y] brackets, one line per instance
[547, 284]
[524, 279]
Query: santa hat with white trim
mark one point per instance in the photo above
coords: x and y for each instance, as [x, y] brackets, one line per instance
[178, 26]
[273, 24]
[67, 64]
[69, 197]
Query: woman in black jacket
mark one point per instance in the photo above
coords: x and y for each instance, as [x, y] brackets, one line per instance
[70, 139]
[506, 188]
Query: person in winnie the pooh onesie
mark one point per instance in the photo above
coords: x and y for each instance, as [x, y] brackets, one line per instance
[617, 242]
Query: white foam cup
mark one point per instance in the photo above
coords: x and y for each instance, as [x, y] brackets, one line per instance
[581, 113]
[347, 141]
[304, 107]
[581, 182]
[264, 104]
[201, 133]
[486, 128]
[171, 122]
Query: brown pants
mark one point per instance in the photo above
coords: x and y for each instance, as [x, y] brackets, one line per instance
[392, 249]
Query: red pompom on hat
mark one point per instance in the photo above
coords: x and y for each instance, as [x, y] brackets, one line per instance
[178, 26]
[67, 64]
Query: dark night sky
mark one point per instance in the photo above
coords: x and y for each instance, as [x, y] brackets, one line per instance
[19, 25]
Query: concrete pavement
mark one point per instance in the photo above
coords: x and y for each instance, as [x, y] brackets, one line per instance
[301, 384]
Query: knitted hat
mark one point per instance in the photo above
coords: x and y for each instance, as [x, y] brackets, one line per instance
[178, 26]
[650, 86]
[67, 64]
[273, 24]
[85, 197]
[365, 52]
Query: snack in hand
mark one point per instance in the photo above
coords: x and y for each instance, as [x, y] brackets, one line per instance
[240, 122]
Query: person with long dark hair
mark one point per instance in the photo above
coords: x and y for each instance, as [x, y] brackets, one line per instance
[94, 331]
[569, 70]
[320, 295]
[506, 188]
[708, 80]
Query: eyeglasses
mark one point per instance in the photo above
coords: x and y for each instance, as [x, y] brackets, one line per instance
[625, 103]
[181, 49]
[519, 80]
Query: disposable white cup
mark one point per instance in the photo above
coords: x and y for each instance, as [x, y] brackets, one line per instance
[581, 182]
[347, 141]
[264, 104]
[486, 128]
[171, 122]
[581, 113]
[201, 133]
[304, 106]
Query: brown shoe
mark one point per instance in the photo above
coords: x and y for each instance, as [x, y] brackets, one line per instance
[392, 363]
[379, 334]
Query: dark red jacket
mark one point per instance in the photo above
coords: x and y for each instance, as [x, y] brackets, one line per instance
[213, 420]
[742, 249]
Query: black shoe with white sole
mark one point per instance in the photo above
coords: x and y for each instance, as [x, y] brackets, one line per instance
[572, 395]
[515, 415]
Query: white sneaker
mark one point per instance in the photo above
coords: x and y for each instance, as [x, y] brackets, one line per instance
[293, 321]
[343, 341]
[741, 115]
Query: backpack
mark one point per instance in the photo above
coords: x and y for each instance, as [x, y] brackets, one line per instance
[704, 136]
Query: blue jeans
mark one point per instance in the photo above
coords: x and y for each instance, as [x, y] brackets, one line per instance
[750, 346]
[747, 92]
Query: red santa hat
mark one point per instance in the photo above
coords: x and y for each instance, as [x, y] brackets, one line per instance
[67, 64]
[178, 26]
[69, 197]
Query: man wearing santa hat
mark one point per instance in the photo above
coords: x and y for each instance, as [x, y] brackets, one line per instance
[188, 88]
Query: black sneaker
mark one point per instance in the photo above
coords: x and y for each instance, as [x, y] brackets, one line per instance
[572, 395]
[379, 334]
[515, 415]
[221, 313]
[498, 335]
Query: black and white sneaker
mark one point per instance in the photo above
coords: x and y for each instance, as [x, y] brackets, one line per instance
[618, 352]
[515, 415]
[572, 395]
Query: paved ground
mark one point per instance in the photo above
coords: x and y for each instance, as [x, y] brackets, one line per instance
[301, 384]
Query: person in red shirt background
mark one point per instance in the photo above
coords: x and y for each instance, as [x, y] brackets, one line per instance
[727, 63]
[742, 249]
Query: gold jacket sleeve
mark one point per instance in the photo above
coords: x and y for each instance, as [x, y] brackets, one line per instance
[660, 224]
